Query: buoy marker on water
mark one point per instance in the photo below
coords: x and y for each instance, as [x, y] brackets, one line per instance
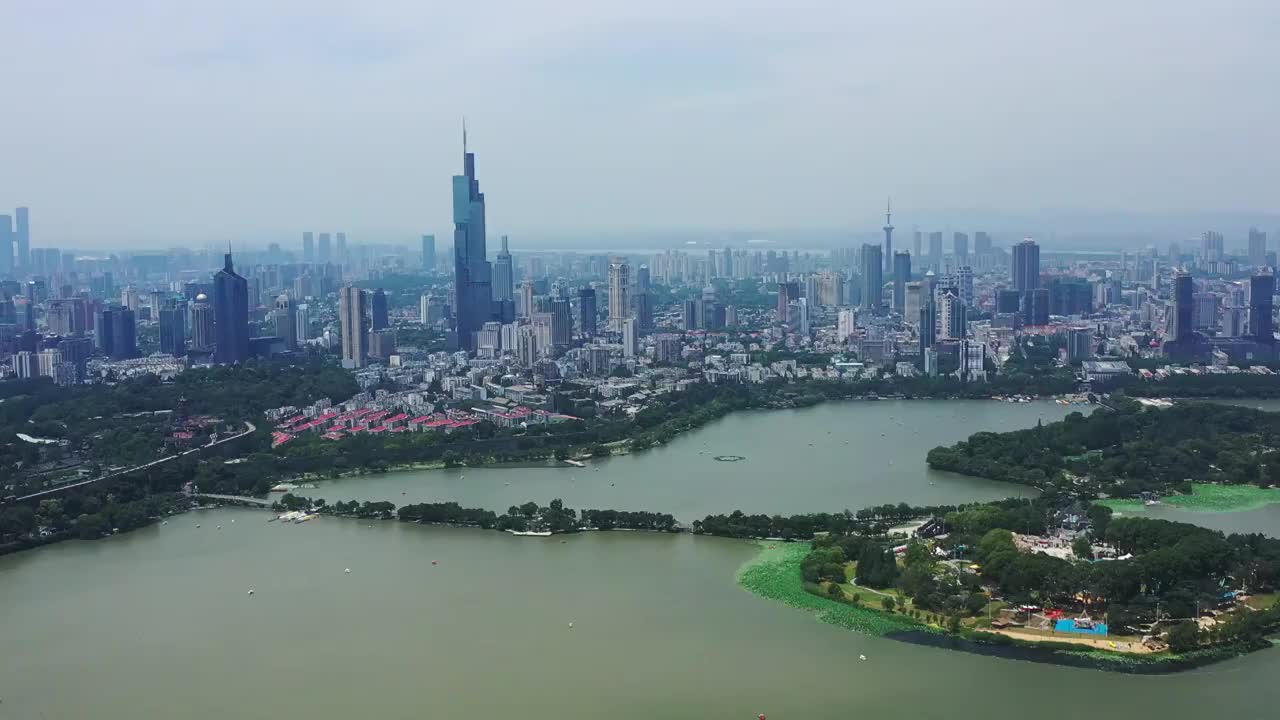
[250, 591]
[348, 571]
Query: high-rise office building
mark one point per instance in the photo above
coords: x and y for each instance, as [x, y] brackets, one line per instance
[1262, 290]
[787, 292]
[981, 243]
[231, 315]
[471, 271]
[619, 292]
[6, 245]
[308, 247]
[1183, 328]
[124, 334]
[340, 246]
[22, 238]
[960, 247]
[630, 337]
[286, 320]
[935, 251]
[324, 253]
[587, 312]
[1211, 246]
[429, 253]
[561, 322]
[952, 312]
[642, 306]
[888, 235]
[302, 313]
[25, 365]
[504, 279]
[378, 315]
[901, 274]
[1257, 248]
[1026, 265]
[1035, 306]
[173, 329]
[642, 279]
[872, 278]
[203, 338]
[351, 313]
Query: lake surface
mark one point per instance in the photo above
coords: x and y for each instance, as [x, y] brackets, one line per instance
[824, 458]
[159, 623]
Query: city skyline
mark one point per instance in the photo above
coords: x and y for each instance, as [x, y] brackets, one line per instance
[1052, 130]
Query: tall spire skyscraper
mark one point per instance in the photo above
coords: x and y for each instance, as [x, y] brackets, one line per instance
[231, 315]
[888, 235]
[471, 272]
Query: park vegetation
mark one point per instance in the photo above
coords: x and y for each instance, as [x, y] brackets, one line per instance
[1167, 572]
[1128, 451]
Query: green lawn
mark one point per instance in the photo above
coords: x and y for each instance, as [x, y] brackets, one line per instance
[774, 573]
[1208, 498]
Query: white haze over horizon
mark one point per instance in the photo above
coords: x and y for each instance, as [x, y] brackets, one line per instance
[162, 124]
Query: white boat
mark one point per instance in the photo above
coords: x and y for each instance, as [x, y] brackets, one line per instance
[531, 533]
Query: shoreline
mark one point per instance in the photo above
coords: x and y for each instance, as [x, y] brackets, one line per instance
[1206, 498]
[774, 574]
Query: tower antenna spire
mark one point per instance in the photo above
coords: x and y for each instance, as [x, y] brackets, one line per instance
[464, 134]
[888, 211]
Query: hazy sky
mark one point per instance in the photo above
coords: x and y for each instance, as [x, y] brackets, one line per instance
[166, 123]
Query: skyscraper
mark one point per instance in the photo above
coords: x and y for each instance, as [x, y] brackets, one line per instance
[630, 338]
[981, 243]
[1026, 265]
[302, 313]
[124, 335]
[1257, 248]
[429, 253]
[888, 235]
[471, 272]
[324, 255]
[917, 239]
[935, 251]
[1183, 308]
[6, 244]
[1262, 290]
[231, 315]
[354, 333]
[872, 278]
[787, 292]
[104, 330]
[378, 316]
[173, 329]
[901, 274]
[203, 337]
[340, 247]
[561, 322]
[286, 317]
[952, 311]
[619, 292]
[960, 247]
[1211, 248]
[504, 287]
[23, 238]
[308, 247]
[586, 311]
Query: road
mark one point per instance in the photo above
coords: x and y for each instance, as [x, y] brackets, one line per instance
[236, 498]
[250, 428]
